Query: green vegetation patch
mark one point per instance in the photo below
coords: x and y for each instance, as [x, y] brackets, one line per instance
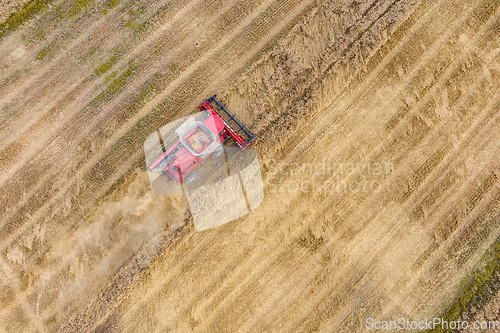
[148, 90]
[136, 27]
[11, 79]
[143, 27]
[477, 288]
[40, 35]
[116, 85]
[77, 6]
[110, 4]
[117, 52]
[59, 13]
[110, 77]
[48, 51]
[27, 12]
[131, 24]
[106, 66]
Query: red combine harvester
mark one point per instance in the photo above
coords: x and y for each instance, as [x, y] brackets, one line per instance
[200, 138]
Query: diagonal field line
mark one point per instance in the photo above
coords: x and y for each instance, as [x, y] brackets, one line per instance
[5, 174]
[141, 113]
[44, 179]
[77, 42]
[147, 108]
[28, 310]
[219, 79]
[313, 301]
[256, 49]
[295, 12]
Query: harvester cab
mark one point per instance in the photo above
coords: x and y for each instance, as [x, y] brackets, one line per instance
[201, 137]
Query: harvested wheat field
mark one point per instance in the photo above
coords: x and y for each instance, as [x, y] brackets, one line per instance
[378, 139]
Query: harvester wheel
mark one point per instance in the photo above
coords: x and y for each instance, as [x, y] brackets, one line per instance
[189, 178]
[217, 151]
